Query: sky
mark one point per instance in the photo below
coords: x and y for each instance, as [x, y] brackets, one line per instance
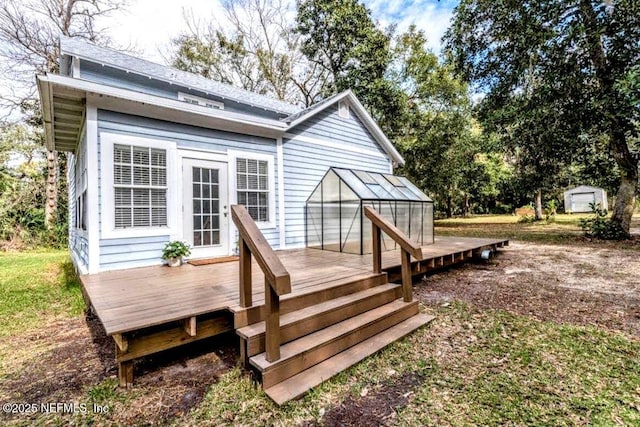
[149, 28]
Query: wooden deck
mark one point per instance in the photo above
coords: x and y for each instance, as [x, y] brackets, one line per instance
[150, 309]
[129, 300]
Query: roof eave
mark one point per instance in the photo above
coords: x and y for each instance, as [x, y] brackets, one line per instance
[46, 105]
[129, 95]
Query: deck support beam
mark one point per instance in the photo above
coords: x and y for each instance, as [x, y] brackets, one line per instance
[121, 342]
[125, 374]
[189, 325]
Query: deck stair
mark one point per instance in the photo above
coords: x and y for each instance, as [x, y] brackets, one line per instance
[321, 340]
[295, 342]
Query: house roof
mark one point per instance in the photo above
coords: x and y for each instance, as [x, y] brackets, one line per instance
[63, 100]
[91, 52]
[362, 113]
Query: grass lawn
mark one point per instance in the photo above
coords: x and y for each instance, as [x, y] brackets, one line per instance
[475, 364]
[35, 286]
[563, 228]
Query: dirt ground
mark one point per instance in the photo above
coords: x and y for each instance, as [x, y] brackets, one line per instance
[585, 285]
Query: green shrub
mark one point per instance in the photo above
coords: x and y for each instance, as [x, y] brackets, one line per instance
[600, 227]
[527, 219]
[175, 249]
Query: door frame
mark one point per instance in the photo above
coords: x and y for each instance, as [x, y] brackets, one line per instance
[206, 155]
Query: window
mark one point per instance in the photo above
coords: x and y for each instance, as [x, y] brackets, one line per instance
[343, 110]
[196, 100]
[252, 183]
[81, 211]
[140, 186]
[80, 171]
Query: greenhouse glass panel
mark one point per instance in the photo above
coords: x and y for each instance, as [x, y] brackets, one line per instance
[334, 214]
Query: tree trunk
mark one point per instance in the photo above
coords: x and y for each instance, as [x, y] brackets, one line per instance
[539, 204]
[466, 207]
[51, 190]
[449, 207]
[626, 196]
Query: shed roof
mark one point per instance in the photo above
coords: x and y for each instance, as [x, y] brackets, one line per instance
[583, 189]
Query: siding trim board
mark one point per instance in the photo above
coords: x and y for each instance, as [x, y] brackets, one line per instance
[93, 197]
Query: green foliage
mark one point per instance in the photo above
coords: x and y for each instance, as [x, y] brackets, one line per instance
[527, 219]
[341, 38]
[551, 208]
[175, 249]
[600, 227]
[558, 77]
[22, 181]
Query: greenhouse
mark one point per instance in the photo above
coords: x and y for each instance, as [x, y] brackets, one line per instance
[334, 214]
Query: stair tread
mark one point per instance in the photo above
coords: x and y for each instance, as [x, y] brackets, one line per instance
[347, 326]
[299, 384]
[295, 316]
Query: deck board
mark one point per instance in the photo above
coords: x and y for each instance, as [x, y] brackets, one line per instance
[128, 300]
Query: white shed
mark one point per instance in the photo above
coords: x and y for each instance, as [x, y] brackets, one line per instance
[579, 198]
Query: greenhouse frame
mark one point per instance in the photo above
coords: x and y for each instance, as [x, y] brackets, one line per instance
[334, 216]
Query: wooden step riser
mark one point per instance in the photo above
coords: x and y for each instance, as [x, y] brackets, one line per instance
[314, 323]
[288, 368]
[299, 384]
[297, 302]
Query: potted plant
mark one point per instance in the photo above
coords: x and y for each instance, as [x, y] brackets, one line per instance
[174, 251]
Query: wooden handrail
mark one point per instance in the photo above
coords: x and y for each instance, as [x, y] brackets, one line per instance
[408, 248]
[277, 281]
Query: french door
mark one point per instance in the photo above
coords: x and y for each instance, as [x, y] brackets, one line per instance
[205, 207]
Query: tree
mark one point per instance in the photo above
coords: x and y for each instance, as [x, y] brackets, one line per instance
[260, 52]
[29, 33]
[341, 38]
[437, 134]
[583, 56]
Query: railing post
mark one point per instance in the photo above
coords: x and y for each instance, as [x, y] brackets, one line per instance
[272, 322]
[244, 265]
[407, 282]
[376, 233]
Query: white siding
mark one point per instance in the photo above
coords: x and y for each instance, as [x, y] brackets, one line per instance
[305, 163]
[78, 244]
[141, 251]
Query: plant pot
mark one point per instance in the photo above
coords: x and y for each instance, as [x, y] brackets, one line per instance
[174, 262]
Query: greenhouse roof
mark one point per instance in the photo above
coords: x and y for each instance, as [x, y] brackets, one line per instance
[379, 186]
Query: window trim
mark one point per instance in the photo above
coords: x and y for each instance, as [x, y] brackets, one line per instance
[107, 185]
[80, 194]
[217, 105]
[233, 196]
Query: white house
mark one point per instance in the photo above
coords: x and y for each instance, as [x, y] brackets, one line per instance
[159, 154]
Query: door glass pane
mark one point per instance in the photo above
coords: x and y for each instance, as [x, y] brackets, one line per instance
[206, 207]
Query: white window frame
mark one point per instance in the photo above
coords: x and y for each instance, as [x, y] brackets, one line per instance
[343, 110]
[200, 101]
[233, 194]
[107, 211]
[81, 185]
